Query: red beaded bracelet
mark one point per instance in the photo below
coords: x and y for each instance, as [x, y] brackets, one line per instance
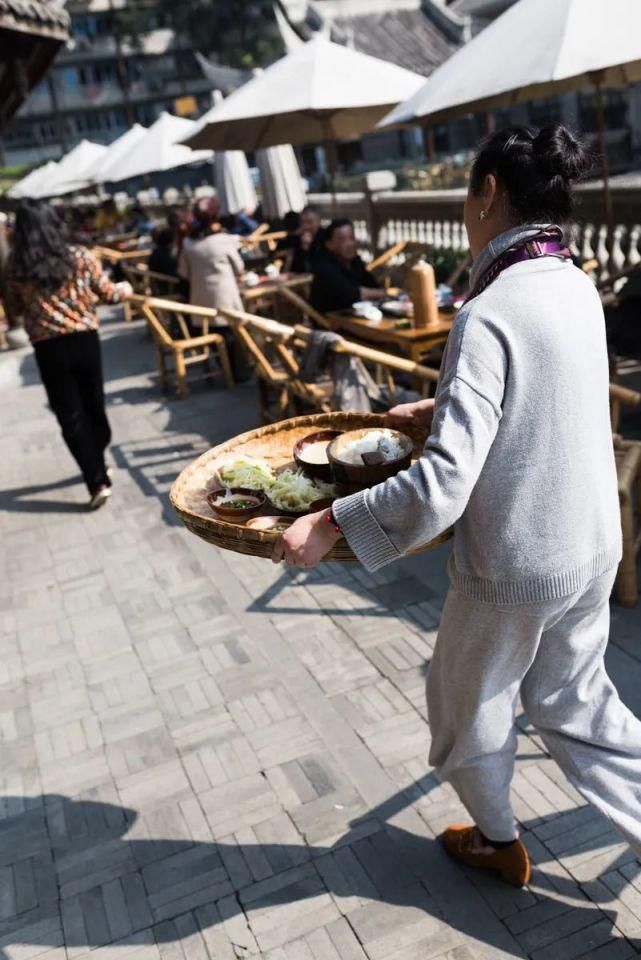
[330, 518]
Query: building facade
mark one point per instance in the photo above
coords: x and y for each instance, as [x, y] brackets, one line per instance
[100, 85]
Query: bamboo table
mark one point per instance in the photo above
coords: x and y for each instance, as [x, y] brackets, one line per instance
[413, 342]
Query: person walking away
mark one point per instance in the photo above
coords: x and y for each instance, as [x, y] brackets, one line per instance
[340, 276]
[211, 263]
[520, 462]
[55, 288]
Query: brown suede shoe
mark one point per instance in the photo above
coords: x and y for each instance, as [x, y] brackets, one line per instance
[513, 862]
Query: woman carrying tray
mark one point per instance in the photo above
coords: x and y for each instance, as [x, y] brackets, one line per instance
[520, 460]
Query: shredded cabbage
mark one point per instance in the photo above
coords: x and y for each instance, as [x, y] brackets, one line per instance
[245, 472]
[292, 490]
[288, 490]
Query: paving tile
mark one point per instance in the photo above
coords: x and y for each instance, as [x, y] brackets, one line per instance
[205, 757]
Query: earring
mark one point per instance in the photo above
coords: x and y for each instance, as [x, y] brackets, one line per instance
[483, 215]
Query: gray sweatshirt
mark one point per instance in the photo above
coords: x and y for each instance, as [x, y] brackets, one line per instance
[520, 457]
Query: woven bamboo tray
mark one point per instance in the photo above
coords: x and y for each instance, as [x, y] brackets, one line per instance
[273, 443]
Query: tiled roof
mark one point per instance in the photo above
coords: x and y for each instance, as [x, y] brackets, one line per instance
[47, 14]
[405, 37]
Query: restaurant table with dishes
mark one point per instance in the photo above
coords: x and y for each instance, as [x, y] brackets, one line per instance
[256, 287]
[411, 323]
[262, 293]
[409, 341]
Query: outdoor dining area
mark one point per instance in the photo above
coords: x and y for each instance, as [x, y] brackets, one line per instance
[326, 311]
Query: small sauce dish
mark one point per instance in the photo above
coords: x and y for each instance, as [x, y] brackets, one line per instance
[237, 503]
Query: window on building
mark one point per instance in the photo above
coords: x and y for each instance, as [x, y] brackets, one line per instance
[442, 138]
[69, 77]
[546, 110]
[615, 109]
[91, 26]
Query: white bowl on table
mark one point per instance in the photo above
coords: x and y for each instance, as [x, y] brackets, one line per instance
[367, 310]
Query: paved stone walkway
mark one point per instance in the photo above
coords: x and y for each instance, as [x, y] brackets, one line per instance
[205, 756]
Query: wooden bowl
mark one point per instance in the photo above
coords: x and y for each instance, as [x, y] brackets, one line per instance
[236, 513]
[324, 503]
[362, 474]
[317, 471]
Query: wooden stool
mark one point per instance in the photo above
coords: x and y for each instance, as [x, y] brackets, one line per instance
[627, 454]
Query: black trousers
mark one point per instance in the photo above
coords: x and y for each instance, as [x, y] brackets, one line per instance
[71, 371]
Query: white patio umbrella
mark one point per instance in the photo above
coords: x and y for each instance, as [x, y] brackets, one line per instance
[319, 92]
[537, 48]
[70, 172]
[159, 150]
[29, 186]
[234, 187]
[281, 182]
[107, 166]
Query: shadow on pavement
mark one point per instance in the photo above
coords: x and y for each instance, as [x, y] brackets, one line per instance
[28, 499]
[73, 862]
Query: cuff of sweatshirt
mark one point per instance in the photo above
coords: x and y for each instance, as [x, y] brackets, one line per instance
[363, 533]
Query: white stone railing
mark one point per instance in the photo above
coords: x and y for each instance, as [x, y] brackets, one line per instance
[436, 220]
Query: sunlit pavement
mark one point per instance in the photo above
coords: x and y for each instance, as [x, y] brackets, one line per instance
[204, 755]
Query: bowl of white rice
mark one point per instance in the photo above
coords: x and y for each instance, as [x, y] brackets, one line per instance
[365, 457]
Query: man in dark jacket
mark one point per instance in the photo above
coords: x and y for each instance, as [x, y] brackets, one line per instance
[340, 276]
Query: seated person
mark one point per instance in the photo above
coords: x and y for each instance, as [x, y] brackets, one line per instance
[107, 220]
[244, 222]
[163, 259]
[307, 242]
[139, 222]
[340, 276]
[623, 318]
[291, 224]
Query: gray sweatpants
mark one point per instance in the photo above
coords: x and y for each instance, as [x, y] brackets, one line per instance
[552, 653]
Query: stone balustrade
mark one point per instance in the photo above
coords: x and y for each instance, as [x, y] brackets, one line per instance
[436, 220]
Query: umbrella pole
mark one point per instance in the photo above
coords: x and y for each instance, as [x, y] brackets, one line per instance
[329, 146]
[600, 120]
[330, 159]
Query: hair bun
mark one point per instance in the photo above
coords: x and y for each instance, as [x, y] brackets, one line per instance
[559, 153]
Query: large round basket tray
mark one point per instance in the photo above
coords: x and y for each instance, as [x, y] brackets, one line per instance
[273, 443]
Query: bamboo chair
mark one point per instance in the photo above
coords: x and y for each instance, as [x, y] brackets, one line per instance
[391, 266]
[166, 318]
[118, 256]
[126, 260]
[136, 274]
[274, 346]
[281, 391]
[621, 397]
[302, 308]
[261, 229]
[151, 283]
[627, 454]
[263, 236]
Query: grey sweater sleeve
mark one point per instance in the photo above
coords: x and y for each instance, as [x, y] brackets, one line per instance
[410, 509]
